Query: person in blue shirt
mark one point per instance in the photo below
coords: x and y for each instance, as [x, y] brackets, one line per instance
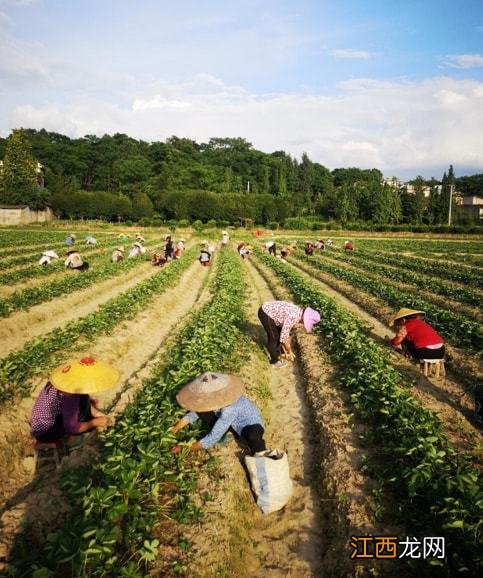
[217, 399]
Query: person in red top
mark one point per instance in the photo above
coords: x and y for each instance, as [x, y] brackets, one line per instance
[416, 337]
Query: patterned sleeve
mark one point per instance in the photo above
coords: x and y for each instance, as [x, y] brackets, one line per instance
[191, 417]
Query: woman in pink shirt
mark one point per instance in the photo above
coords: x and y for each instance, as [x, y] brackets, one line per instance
[278, 318]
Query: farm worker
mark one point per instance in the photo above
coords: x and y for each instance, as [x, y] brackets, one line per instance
[240, 246]
[271, 247]
[416, 337]
[330, 243]
[217, 399]
[123, 237]
[158, 259]
[136, 250]
[320, 244]
[211, 248]
[225, 238]
[70, 239]
[64, 407]
[47, 257]
[205, 255]
[117, 254]
[169, 248]
[178, 252]
[309, 248]
[139, 238]
[278, 318]
[90, 240]
[75, 261]
[348, 246]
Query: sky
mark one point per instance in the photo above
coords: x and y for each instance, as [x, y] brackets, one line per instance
[395, 85]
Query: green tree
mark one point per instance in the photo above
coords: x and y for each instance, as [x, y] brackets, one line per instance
[18, 177]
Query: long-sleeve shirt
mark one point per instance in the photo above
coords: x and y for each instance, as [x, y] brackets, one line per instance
[49, 405]
[284, 314]
[419, 333]
[237, 415]
[73, 261]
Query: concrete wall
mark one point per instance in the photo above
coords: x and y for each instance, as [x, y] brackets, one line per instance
[24, 216]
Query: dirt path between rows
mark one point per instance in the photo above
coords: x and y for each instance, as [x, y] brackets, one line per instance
[40, 319]
[445, 397]
[133, 348]
[309, 538]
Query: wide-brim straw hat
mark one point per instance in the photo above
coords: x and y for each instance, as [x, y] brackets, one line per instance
[86, 375]
[404, 312]
[210, 391]
[121, 248]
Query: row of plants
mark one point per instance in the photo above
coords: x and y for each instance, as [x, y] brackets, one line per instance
[410, 274]
[19, 237]
[72, 281]
[114, 528]
[433, 490]
[430, 245]
[456, 328]
[42, 352]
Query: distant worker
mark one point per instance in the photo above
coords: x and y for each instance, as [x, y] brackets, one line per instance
[180, 249]
[219, 401]
[169, 248]
[136, 249]
[320, 245]
[225, 238]
[64, 407]
[75, 262]
[278, 318]
[123, 237]
[139, 238]
[330, 243]
[47, 257]
[205, 255]
[70, 239]
[158, 259]
[118, 254]
[90, 240]
[271, 247]
[309, 248]
[285, 251]
[416, 338]
[348, 246]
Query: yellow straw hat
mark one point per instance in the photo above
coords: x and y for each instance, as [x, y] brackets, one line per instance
[404, 312]
[210, 391]
[86, 375]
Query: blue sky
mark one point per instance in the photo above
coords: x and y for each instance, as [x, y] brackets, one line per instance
[394, 85]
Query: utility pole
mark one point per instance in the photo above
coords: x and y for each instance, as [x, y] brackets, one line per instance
[451, 187]
[248, 186]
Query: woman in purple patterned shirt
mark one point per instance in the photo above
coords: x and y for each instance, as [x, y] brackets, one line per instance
[278, 318]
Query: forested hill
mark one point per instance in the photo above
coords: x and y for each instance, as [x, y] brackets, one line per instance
[225, 179]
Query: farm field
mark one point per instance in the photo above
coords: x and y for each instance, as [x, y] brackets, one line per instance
[376, 449]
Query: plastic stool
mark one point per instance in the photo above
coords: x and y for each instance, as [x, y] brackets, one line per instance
[433, 367]
[46, 452]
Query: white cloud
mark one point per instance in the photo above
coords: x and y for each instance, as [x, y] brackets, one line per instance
[350, 53]
[465, 61]
[398, 127]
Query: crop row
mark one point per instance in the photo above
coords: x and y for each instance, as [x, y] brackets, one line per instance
[19, 237]
[423, 245]
[37, 354]
[411, 274]
[434, 491]
[116, 505]
[457, 329]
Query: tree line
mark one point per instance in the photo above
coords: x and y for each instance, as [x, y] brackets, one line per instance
[121, 178]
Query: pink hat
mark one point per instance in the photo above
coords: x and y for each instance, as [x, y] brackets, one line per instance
[310, 317]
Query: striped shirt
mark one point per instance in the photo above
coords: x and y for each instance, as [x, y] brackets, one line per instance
[237, 415]
[284, 314]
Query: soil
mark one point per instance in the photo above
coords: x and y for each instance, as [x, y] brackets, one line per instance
[307, 417]
[133, 348]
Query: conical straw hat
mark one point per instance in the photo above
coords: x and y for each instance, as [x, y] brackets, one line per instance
[86, 375]
[210, 391]
[404, 312]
